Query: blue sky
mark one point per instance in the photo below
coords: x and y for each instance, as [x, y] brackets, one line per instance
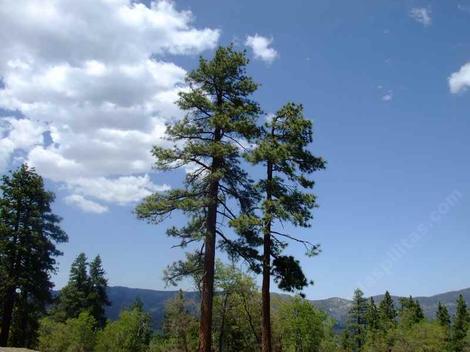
[374, 76]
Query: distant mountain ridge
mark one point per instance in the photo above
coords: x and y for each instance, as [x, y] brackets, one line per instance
[154, 302]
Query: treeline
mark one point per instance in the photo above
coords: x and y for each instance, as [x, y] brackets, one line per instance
[297, 325]
[386, 328]
[237, 320]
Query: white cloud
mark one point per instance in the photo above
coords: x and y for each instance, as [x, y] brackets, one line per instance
[460, 81]
[387, 96]
[16, 134]
[121, 190]
[90, 74]
[261, 47]
[86, 205]
[421, 15]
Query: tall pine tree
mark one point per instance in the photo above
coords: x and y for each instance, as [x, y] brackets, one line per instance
[220, 117]
[283, 152]
[29, 233]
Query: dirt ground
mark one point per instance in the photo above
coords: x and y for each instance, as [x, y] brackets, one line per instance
[9, 349]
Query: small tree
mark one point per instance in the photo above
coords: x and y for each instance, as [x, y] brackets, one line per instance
[179, 325]
[237, 311]
[75, 335]
[301, 326]
[131, 332]
[443, 316]
[29, 233]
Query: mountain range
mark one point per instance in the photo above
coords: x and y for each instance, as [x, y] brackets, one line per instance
[154, 302]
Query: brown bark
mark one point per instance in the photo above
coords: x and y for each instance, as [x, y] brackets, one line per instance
[207, 295]
[266, 345]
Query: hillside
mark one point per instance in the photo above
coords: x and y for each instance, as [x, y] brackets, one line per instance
[154, 302]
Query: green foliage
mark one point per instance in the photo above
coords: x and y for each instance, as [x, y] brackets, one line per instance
[420, 337]
[180, 327]
[29, 233]
[73, 298]
[460, 326]
[283, 151]
[410, 312]
[237, 311]
[97, 296]
[387, 311]
[220, 116]
[356, 329]
[372, 316]
[301, 327]
[443, 316]
[84, 292]
[75, 335]
[131, 332]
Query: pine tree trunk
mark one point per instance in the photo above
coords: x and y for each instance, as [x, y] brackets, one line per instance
[205, 325]
[8, 304]
[265, 291]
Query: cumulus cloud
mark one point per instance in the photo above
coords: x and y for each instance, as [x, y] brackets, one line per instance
[91, 76]
[421, 15]
[460, 80]
[261, 48]
[86, 205]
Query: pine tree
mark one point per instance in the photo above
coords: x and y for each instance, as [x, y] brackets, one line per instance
[29, 233]
[419, 311]
[357, 322]
[73, 298]
[460, 325]
[98, 297]
[410, 312]
[221, 117]
[84, 292]
[283, 152]
[442, 315]
[372, 316]
[387, 311]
